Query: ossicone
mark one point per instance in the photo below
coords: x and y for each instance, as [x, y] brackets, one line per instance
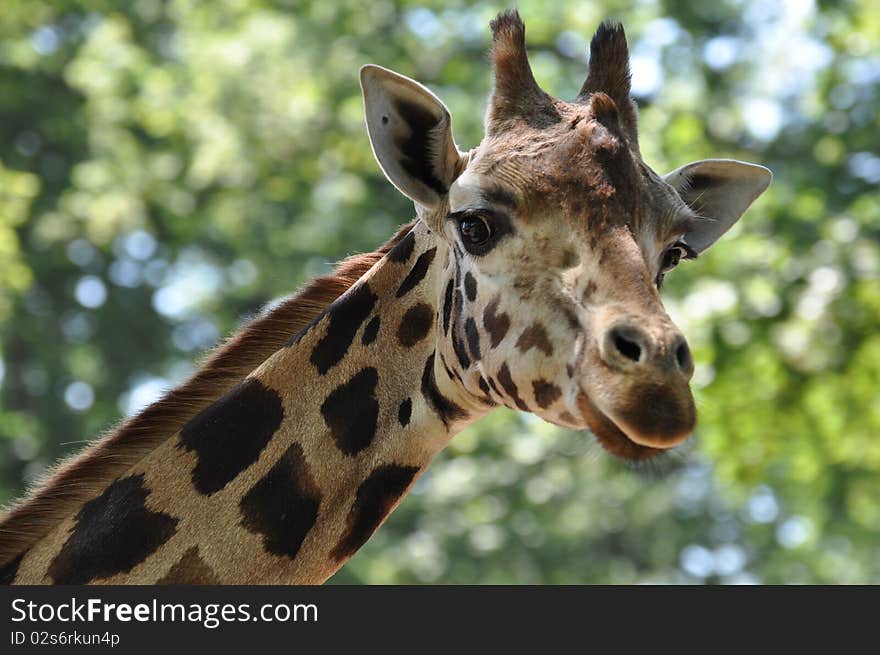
[516, 95]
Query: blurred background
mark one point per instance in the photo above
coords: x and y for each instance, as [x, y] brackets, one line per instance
[169, 166]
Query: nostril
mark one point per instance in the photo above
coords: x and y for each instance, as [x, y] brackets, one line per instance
[683, 356]
[627, 347]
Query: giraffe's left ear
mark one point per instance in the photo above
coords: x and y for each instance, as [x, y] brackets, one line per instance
[411, 135]
[719, 191]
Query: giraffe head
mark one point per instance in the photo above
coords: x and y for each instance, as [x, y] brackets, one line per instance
[558, 237]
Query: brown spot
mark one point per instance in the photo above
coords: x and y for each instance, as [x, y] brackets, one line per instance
[345, 316]
[190, 569]
[453, 374]
[447, 305]
[496, 324]
[535, 336]
[370, 332]
[443, 406]
[567, 418]
[589, 291]
[283, 505]
[229, 435]
[415, 324]
[484, 386]
[113, 533]
[460, 352]
[404, 248]
[546, 393]
[418, 272]
[376, 497]
[570, 259]
[494, 386]
[9, 570]
[470, 286]
[351, 411]
[473, 338]
[510, 387]
[404, 412]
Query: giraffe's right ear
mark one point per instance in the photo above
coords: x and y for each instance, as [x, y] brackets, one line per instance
[411, 135]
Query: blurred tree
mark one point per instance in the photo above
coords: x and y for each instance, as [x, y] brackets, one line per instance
[167, 166]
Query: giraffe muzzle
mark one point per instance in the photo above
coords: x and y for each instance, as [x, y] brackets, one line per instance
[637, 400]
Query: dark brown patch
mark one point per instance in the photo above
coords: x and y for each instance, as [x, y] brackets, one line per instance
[370, 331]
[447, 305]
[415, 324]
[403, 250]
[494, 387]
[496, 324]
[283, 505]
[510, 387]
[190, 569]
[113, 533]
[589, 290]
[445, 408]
[484, 386]
[375, 498]
[460, 352]
[345, 318]
[473, 338]
[567, 418]
[569, 369]
[535, 336]
[9, 570]
[229, 435]
[470, 286]
[404, 412]
[351, 412]
[546, 393]
[418, 272]
[570, 259]
[453, 374]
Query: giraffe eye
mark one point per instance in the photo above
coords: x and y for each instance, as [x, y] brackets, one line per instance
[678, 251]
[476, 232]
[670, 259]
[480, 230]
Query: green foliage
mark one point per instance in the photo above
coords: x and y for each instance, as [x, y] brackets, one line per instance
[168, 166]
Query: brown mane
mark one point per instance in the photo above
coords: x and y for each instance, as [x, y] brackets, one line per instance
[75, 480]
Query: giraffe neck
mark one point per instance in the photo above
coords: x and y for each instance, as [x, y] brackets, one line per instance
[287, 476]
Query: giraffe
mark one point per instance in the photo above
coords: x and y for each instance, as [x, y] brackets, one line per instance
[529, 278]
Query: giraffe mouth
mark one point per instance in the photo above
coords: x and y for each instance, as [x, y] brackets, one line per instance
[612, 437]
